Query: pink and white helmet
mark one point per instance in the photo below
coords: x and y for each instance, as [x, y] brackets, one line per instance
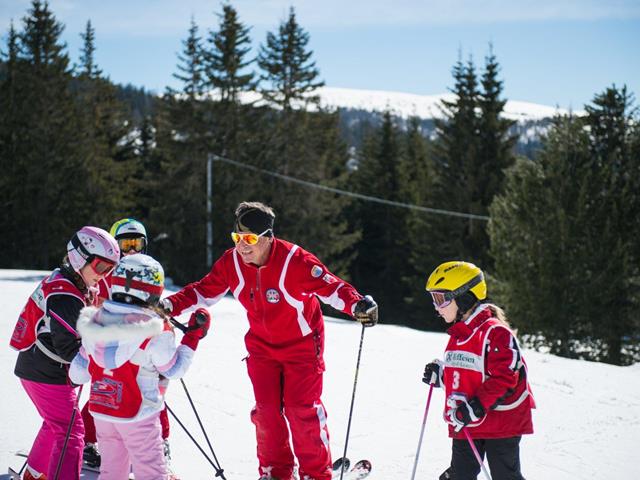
[90, 242]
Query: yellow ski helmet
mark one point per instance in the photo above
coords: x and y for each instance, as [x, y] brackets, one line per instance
[452, 279]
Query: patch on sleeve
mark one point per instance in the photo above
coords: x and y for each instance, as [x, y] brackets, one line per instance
[329, 278]
[316, 271]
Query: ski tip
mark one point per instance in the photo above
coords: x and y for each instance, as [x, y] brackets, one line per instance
[360, 470]
[338, 464]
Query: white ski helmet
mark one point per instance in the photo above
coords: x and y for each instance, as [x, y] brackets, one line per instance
[137, 276]
[90, 242]
[129, 226]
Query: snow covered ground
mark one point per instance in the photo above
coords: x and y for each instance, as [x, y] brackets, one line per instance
[587, 422]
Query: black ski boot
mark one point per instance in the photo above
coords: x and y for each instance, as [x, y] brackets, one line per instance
[91, 456]
[446, 475]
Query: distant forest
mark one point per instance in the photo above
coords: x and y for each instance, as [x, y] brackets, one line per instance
[554, 222]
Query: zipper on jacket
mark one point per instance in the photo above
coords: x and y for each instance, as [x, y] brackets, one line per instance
[259, 300]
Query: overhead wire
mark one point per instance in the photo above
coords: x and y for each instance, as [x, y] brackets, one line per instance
[338, 191]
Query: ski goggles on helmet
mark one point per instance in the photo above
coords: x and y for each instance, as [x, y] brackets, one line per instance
[248, 238]
[441, 299]
[100, 265]
[136, 243]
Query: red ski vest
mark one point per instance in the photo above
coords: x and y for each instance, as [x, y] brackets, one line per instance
[464, 366]
[33, 315]
[115, 392]
[465, 372]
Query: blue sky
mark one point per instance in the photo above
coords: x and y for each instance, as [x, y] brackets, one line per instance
[554, 52]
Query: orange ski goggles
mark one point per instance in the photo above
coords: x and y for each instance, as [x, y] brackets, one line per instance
[248, 238]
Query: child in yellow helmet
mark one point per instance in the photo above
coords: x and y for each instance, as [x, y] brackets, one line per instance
[483, 374]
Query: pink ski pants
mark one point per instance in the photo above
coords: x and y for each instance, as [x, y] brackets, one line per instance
[132, 444]
[55, 404]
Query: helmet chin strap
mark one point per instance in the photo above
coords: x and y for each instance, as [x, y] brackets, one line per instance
[77, 279]
[466, 303]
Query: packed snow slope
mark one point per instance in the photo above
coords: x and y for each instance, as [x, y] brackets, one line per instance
[587, 422]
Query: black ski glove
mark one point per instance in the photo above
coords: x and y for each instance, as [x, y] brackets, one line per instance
[366, 311]
[433, 373]
[465, 413]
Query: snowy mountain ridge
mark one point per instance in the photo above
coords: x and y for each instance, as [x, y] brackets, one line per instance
[406, 105]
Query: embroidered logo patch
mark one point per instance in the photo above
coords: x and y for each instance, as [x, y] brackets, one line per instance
[316, 271]
[272, 295]
[328, 278]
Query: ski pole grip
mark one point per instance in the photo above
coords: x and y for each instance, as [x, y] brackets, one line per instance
[178, 325]
[201, 318]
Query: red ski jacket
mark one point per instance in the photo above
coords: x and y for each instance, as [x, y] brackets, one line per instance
[280, 297]
[483, 360]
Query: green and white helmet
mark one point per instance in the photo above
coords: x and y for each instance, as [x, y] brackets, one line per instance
[137, 278]
[126, 229]
[128, 226]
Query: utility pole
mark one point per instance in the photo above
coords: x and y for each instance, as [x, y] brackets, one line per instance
[209, 210]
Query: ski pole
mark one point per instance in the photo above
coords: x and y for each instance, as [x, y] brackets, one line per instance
[66, 437]
[200, 320]
[475, 452]
[424, 422]
[219, 471]
[353, 397]
[184, 385]
[23, 466]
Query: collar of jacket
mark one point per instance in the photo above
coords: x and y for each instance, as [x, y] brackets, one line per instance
[269, 258]
[462, 330]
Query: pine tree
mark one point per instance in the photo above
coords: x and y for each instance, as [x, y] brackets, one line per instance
[88, 68]
[226, 64]
[183, 133]
[495, 154]
[421, 250]
[9, 130]
[191, 64]
[613, 272]
[106, 135]
[535, 237]
[49, 190]
[472, 150]
[561, 236]
[287, 68]
[381, 251]
[455, 156]
[227, 58]
[496, 143]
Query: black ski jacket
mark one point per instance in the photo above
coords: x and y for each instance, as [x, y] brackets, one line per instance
[34, 364]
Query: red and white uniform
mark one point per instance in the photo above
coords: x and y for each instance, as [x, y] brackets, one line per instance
[483, 360]
[126, 351]
[285, 342]
[104, 294]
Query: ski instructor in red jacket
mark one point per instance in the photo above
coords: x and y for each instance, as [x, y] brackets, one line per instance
[279, 285]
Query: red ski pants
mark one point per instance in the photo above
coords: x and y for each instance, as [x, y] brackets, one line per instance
[287, 384]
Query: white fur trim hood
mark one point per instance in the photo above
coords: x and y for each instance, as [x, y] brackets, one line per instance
[116, 322]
